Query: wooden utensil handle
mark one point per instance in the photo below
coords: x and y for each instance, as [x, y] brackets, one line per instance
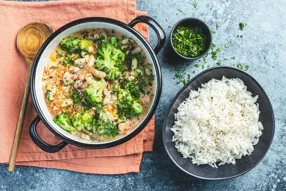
[20, 124]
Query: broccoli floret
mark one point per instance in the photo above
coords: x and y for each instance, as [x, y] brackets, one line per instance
[106, 128]
[84, 44]
[113, 74]
[70, 44]
[128, 106]
[84, 119]
[64, 121]
[132, 87]
[49, 96]
[75, 96]
[104, 125]
[93, 94]
[110, 52]
[114, 41]
[73, 44]
[137, 108]
[110, 60]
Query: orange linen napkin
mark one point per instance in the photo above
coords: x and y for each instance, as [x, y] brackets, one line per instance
[13, 77]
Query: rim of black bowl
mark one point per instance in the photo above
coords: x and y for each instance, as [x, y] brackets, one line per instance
[176, 97]
[206, 49]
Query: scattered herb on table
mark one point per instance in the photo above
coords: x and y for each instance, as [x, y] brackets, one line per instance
[219, 63]
[241, 26]
[180, 10]
[197, 65]
[180, 75]
[195, 4]
[241, 67]
[189, 42]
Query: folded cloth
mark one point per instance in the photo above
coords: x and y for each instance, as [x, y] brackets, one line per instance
[123, 158]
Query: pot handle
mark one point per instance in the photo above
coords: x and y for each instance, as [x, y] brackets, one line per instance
[40, 143]
[155, 26]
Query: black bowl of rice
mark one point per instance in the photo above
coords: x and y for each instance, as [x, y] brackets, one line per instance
[220, 125]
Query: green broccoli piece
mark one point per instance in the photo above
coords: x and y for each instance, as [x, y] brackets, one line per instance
[104, 126]
[70, 44]
[111, 53]
[93, 94]
[128, 106]
[132, 87]
[137, 108]
[84, 44]
[84, 119]
[64, 121]
[110, 60]
[113, 74]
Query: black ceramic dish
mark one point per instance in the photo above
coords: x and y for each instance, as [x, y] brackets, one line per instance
[242, 165]
[192, 22]
[41, 61]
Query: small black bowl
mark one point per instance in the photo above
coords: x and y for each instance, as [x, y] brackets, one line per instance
[242, 165]
[193, 22]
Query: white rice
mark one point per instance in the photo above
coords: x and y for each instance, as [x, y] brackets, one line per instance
[218, 123]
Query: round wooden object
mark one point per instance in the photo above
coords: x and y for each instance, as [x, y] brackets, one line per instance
[31, 38]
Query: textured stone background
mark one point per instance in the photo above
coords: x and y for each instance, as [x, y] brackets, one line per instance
[262, 47]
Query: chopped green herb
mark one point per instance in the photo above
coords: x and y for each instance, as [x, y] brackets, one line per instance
[230, 42]
[205, 59]
[233, 57]
[246, 67]
[180, 10]
[195, 4]
[54, 67]
[75, 96]
[219, 63]
[214, 55]
[241, 26]
[239, 66]
[213, 46]
[197, 65]
[189, 42]
[58, 56]
[216, 26]
[49, 96]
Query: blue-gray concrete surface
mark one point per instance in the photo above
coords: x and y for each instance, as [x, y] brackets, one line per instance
[263, 48]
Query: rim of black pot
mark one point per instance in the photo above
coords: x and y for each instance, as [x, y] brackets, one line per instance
[176, 97]
[151, 109]
[209, 35]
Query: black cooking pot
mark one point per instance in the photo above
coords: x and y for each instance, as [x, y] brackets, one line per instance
[42, 59]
